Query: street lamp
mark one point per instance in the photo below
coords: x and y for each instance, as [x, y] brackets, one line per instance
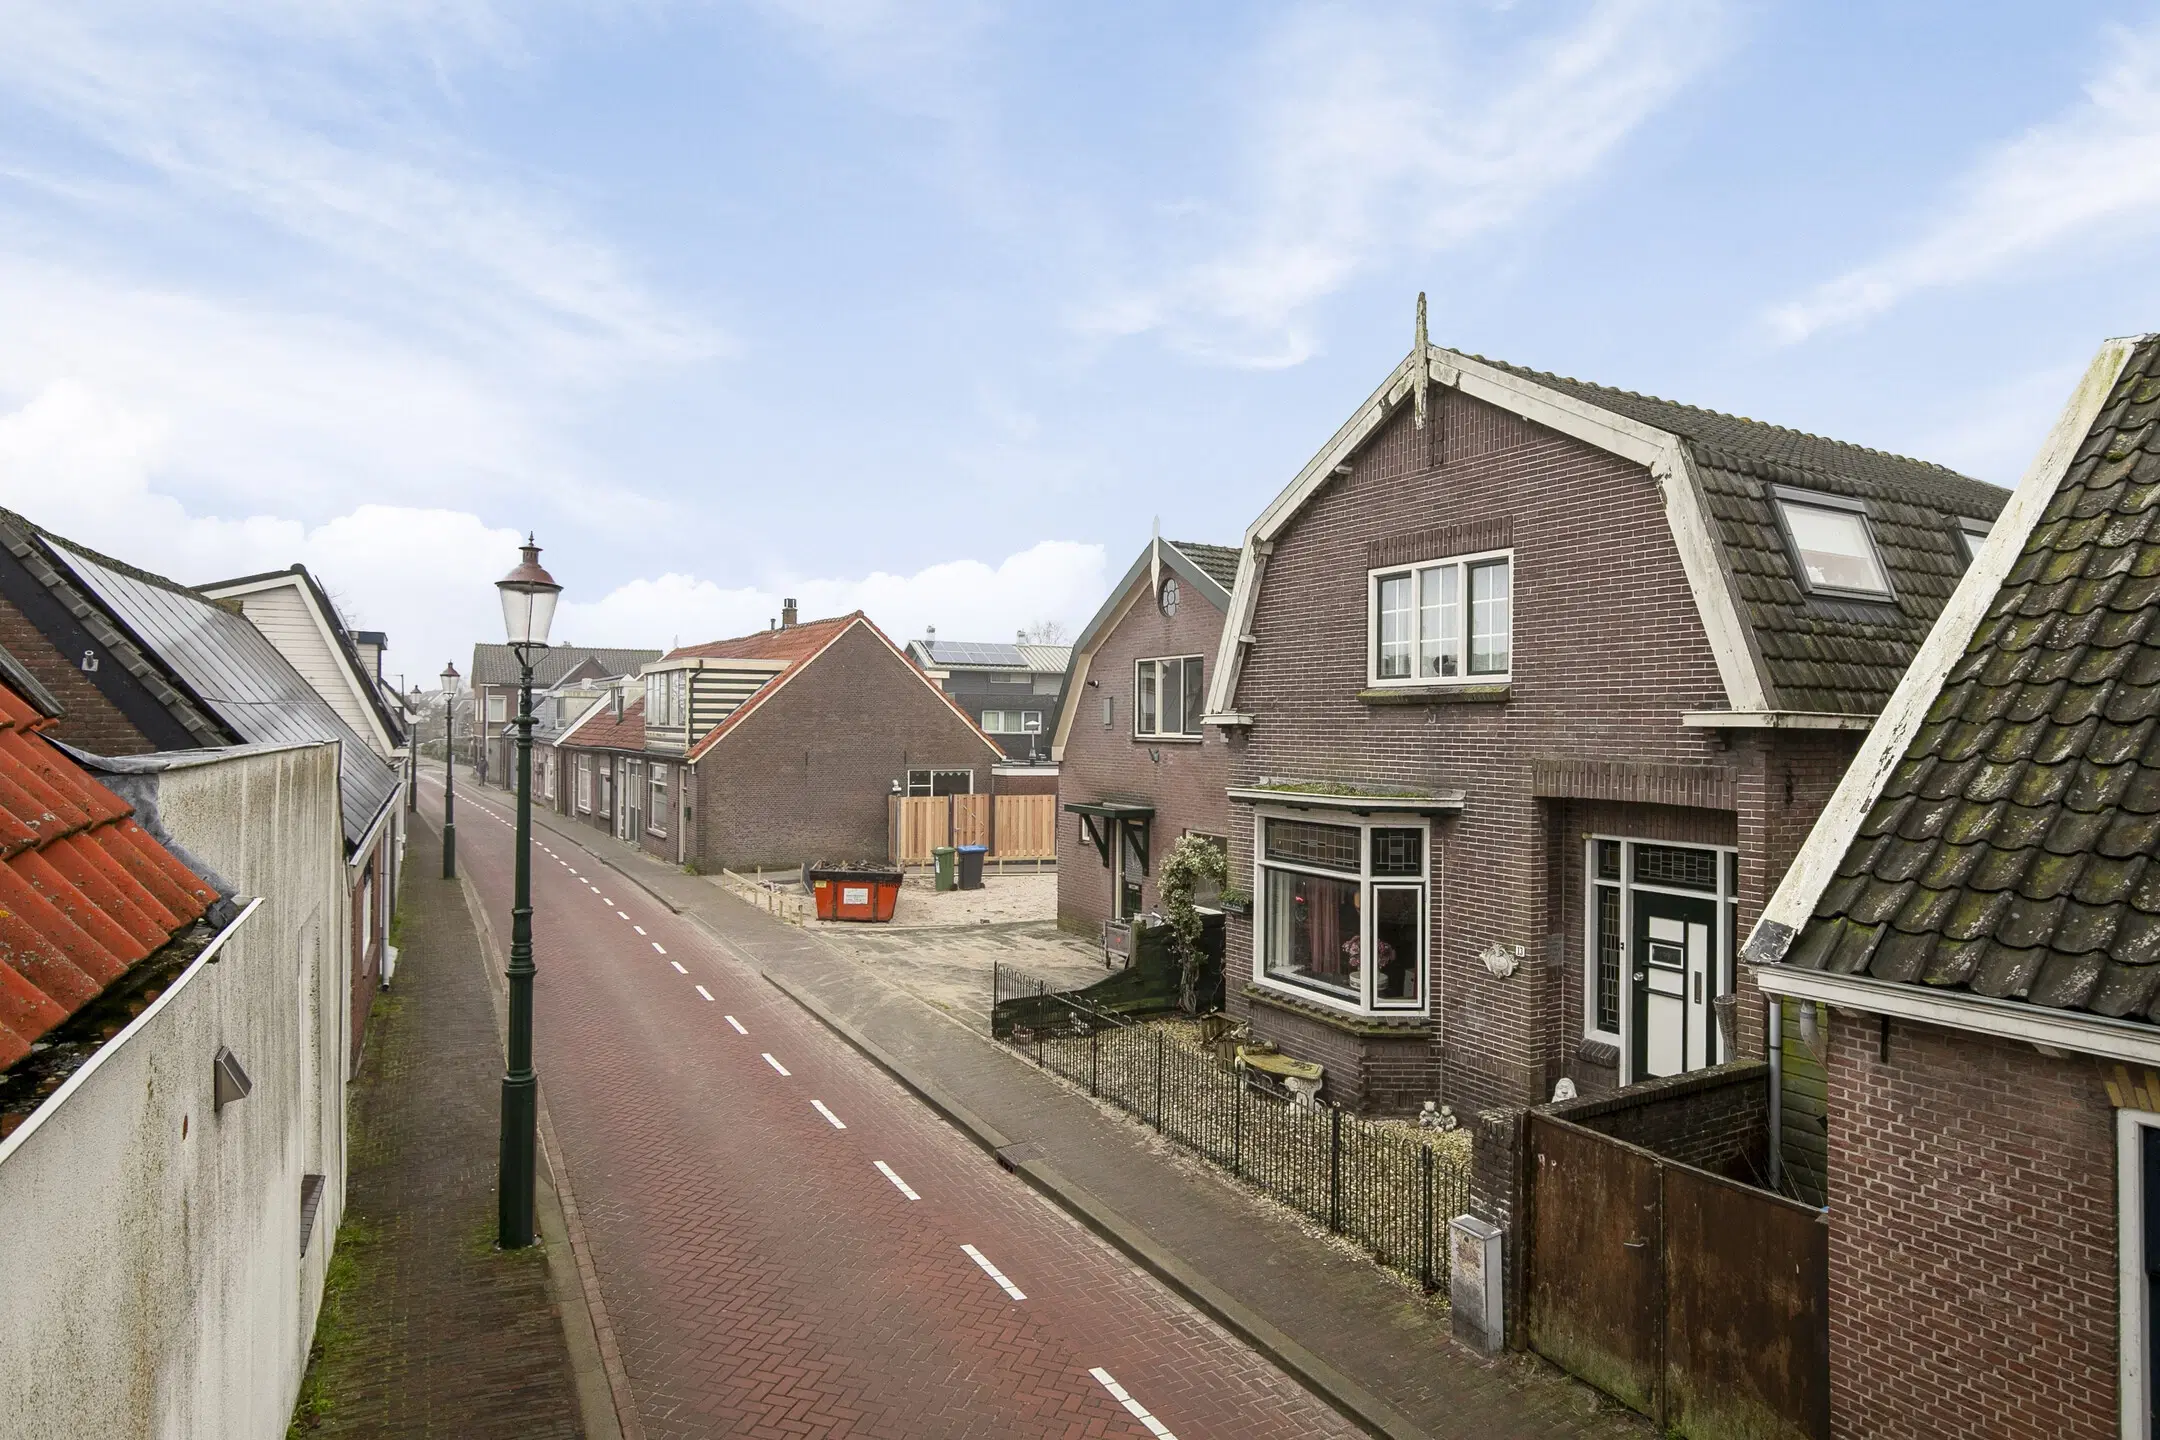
[528, 601]
[449, 771]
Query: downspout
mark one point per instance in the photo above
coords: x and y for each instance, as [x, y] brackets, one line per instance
[1776, 1032]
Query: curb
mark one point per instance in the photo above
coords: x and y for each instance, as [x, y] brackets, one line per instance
[1358, 1404]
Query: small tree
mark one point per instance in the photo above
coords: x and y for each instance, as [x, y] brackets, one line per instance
[1192, 859]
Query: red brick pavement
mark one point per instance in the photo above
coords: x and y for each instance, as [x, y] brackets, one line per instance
[764, 1278]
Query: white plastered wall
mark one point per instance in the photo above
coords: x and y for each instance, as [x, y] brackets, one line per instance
[153, 1285]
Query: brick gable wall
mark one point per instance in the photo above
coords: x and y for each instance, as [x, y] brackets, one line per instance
[1972, 1238]
[1609, 650]
[1185, 785]
[808, 774]
[92, 721]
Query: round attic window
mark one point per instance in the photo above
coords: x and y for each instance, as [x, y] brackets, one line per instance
[1168, 598]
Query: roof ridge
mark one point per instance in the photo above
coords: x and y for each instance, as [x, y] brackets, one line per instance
[1718, 414]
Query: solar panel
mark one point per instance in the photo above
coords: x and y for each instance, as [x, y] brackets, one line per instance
[240, 675]
[970, 652]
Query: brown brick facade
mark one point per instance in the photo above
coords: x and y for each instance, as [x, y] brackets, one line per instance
[807, 775]
[1972, 1238]
[1183, 779]
[92, 722]
[1609, 652]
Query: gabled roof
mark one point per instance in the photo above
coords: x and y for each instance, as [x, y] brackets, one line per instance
[1045, 659]
[498, 664]
[85, 892]
[1199, 568]
[801, 645]
[1778, 648]
[62, 597]
[600, 729]
[790, 643]
[358, 678]
[232, 671]
[1998, 836]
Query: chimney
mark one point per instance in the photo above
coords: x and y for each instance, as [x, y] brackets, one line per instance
[1021, 636]
[787, 614]
[616, 695]
[929, 634]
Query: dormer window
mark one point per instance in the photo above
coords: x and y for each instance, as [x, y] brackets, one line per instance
[1972, 534]
[1833, 549]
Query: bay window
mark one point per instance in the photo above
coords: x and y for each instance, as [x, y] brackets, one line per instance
[1168, 696]
[1341, 912]
[1450, 621]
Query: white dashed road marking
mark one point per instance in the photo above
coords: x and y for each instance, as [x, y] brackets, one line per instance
[678, 967]
[656, 946]
[705, 992]
[837, 1122]
[618, 912]
[1138, 1411]
[737, 1024]
[993, 1272]
[639, 928]
[772, 1062]
[905, 1188]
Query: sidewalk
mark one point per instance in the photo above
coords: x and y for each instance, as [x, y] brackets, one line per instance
[429, 1330]
[1378, 1351]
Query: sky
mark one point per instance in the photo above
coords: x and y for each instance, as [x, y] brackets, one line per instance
[936, 307]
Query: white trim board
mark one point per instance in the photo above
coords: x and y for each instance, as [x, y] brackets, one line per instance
[1789, 909]
[2134, 1318]
[2057, 1030]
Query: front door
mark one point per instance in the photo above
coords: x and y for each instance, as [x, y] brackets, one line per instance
[1131, 866]
[1674, 980]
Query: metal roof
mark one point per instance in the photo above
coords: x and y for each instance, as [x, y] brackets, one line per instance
[240, 676]
[85, 892]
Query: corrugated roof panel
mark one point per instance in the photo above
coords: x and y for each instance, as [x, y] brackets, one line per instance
[242, 677]
[87, 897]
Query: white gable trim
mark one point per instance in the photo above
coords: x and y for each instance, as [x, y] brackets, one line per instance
[354, 681]
[1112, 613]
[2074, 1031]
[1663, 454]
[1886, 743]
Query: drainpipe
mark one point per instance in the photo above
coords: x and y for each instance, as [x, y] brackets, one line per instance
[1777, 1092]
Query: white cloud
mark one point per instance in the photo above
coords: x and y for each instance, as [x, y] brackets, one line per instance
[1377, 133]
[263, 246]
[966, 599]
[2087, 180]
[82, 466]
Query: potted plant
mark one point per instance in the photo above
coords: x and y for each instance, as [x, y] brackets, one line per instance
[1235, 901]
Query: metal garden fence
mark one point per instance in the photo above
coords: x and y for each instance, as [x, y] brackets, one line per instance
[1383, 1186]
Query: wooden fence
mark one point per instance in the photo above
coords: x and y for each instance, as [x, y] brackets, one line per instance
[1015, 827]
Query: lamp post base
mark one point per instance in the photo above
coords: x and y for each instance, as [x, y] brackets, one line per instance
[520, 1128]
[449, 850]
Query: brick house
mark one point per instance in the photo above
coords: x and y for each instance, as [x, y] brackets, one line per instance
[130, 663]
[494, 680]
[1532, 688]
[1136, 769]
[1970, 941]
[773, 748]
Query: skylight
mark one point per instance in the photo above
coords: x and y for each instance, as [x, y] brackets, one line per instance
[1831, 542]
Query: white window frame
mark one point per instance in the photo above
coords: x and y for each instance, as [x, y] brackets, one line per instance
[1726, 897]
[607, 789]
[2135, 1319]
[498, 708]
[1366, 882]
[656, 797]
[584, 784]
[1156, 662]
[1782, 496]
[930, 784]
[1463, 565]
[1972, 534]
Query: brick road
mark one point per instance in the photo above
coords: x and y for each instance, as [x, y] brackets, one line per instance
[765, 1277]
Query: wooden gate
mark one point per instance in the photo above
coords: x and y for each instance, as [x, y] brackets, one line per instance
[1700, 1302]
[1015, 827]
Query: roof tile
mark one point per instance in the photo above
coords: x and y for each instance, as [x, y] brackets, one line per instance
[85, 892]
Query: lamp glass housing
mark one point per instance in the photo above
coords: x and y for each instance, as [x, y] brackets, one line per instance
[528, 599]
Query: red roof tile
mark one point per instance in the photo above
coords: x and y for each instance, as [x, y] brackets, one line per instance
[604, 732]
[793, 643]
[85, 892]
